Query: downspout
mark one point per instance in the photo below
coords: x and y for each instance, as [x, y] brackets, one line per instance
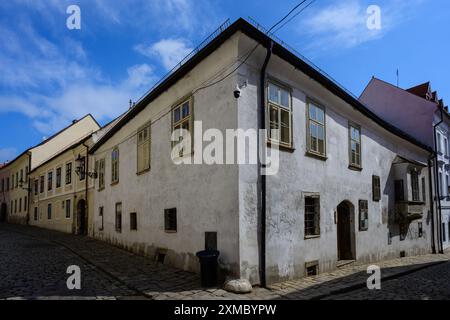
[430, 187]
[28, 188]
[262, 182]
[86, 176]
[437, 183]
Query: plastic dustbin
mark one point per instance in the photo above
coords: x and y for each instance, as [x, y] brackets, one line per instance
[208, 267]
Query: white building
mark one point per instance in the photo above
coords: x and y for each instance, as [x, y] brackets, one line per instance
[332, 202]
[419, 112]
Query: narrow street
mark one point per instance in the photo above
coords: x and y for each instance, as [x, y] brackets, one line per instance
[33, 265]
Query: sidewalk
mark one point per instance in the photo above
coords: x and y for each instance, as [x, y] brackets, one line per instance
[150, 280]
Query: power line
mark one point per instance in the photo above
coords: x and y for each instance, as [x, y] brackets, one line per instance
[247, 56]
[294, 16]
[254, 49]
[280, 21]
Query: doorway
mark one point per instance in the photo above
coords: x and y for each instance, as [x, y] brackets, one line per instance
[346, 231]
[81, 217]
[3, 212]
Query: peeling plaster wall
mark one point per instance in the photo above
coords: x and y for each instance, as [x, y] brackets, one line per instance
[287, 248]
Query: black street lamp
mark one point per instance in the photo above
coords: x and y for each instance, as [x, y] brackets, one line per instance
[21, 185]
[80, 169]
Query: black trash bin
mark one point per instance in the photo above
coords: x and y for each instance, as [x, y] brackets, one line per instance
[208, 267]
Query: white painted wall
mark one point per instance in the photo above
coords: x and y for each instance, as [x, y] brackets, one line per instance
[287, 249]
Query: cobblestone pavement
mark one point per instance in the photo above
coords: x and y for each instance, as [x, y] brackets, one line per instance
[33, 265]
[428, 284]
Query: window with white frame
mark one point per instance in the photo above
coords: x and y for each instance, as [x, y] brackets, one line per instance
[143, 149]
[438, 142]
[445, 146]
[279, 114]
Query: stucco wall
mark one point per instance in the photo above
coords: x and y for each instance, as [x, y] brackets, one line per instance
[287, 249]
[205, 196]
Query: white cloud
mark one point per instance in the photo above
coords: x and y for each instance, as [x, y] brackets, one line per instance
[7, 154]
[169, 51]
[344, 25]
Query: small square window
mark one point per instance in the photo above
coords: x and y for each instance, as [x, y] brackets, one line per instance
[170, 220]
[312, 268]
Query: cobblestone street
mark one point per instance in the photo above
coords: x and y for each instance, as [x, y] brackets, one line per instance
[33, 264]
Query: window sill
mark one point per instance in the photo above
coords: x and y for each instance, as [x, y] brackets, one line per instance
[316, 156]
[143, 172]
[312, 237]
[355, 167]
[114, 183]
[281, 147]
[170, 231]
[100, 189]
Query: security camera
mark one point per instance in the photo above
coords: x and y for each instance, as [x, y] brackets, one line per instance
[237, 92]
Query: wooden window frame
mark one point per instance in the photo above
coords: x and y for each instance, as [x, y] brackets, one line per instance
[316, 217]
[279, 108]
[68, 173]
[363, 215]
[143, 143]
[415, 187]
[376, 188]
[115, 161]
[50, 180]
[182, 121]
[354, 165]
[58, 177]
[101, 174]
[309, 150]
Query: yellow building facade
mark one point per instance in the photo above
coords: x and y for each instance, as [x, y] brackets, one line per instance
[61, 190]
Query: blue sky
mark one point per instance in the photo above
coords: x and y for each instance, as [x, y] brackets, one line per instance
[50, 75]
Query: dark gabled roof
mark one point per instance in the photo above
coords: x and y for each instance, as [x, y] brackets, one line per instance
[279, 50]
[421, 90]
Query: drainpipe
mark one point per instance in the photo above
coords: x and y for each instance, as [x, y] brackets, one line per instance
[262, 183]
[86, 177]
[437, 183]
[28, 188]
[430, 187]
